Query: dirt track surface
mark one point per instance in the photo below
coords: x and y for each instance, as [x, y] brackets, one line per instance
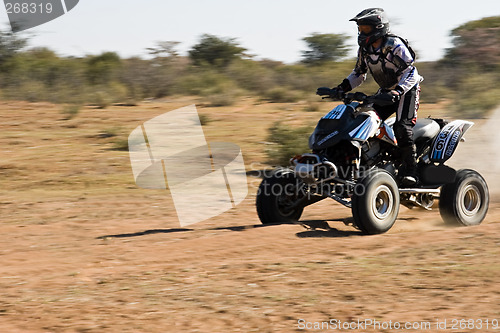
[84, 250]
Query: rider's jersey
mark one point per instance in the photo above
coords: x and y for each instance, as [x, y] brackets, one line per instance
[391, 65]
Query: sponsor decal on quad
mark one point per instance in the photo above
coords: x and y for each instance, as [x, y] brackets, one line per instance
[444, 139]
[328, 137]
[448, 139]
[453, 142]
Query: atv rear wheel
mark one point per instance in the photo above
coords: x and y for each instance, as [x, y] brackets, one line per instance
[375, 203]
[465, 201]
[277, 198]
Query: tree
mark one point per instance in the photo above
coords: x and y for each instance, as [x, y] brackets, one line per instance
[476, 42]
[215, 51]
[165, 49]
[101, 69]
[324, 47]
[10, 45]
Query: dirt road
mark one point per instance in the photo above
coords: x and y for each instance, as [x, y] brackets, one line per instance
[82, 256]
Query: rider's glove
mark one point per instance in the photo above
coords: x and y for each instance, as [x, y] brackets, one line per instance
[324, 91]
[335, 93]
[391, 96]
[397, 93]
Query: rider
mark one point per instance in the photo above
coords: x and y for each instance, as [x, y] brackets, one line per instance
[390, 62]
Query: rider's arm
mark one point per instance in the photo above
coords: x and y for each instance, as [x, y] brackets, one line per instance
[409, 76]
[358, 75]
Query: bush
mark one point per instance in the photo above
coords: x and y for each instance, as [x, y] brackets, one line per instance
[105, 95]
[109, 132]
[204, 119]
[218, 89]
[120, 144]
[434, 92]
[70, 111]
[287, 142]
[203, 82]
[31, 91]
[282, 95]
[222, 99]
[251, 75]
[312, 106]
[472, 99]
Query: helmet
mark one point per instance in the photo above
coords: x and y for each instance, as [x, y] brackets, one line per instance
[375, 17]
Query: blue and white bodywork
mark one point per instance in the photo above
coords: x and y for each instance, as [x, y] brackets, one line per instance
[368, 128]
[343, 123]
[447, 140]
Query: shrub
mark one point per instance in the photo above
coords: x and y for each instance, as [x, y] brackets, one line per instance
[287, 142]
[109, 132]
[252, 76]
[105, 95]
[312, 106]
[222, 99]
[282, 95]
[70, 111]
[204, 119]
[120, 144]
[472, 99]
[203, 82]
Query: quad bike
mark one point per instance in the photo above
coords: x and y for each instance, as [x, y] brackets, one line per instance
[356, 161]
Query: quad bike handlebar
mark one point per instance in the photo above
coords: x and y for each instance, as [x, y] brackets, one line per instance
[382, 99]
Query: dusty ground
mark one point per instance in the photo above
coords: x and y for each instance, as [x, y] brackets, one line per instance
[84, 250]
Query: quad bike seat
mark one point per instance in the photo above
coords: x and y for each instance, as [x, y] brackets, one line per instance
[425, 128]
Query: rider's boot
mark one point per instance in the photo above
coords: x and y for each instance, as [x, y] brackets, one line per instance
[409, 157]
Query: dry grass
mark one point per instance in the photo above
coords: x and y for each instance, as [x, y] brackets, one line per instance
[84, 250]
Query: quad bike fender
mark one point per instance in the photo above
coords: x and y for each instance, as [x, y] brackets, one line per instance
[447, 140]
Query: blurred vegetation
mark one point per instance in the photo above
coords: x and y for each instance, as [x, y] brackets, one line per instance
[70, 111]
[324, 47]
[469, 73]
[287, 142]
[215, 51]
[218, 70]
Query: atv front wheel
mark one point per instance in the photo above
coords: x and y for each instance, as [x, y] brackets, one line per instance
[375, 202]
[465, 201]
[278, 198]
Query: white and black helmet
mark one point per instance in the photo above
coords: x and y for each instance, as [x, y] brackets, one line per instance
[375, 17]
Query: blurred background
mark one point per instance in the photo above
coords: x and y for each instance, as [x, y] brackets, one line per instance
[222, 52]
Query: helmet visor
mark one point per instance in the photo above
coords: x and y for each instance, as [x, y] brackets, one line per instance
[365, 29]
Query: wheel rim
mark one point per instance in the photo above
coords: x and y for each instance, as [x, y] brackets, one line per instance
[382, 202]
[285, 206]
[471, 200]
[286, 203]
